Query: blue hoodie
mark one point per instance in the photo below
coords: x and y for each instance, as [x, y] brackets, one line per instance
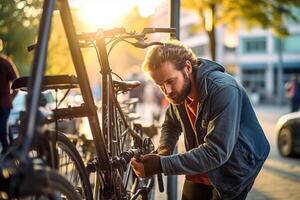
[231, 146]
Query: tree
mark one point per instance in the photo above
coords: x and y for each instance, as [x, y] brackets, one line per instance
[124, 57]
[19, 20]
[263, 13]
[59, 60]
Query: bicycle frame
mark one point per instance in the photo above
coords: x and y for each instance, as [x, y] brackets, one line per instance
[83, 81]
[110, 106]
[28, 127]
[37, 72]
[109, 101]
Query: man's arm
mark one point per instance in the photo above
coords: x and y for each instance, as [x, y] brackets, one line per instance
[222, 133]
[150, 164]
[171, 130]
[12, 73]
[11, 69]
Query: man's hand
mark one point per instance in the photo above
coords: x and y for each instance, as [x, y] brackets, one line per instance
[162, 151]
[138, 167]
[147, 165]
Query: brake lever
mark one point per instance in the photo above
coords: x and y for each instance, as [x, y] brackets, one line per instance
[31, 47]
[160, 183]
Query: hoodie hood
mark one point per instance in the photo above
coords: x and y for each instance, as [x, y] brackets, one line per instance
[202, 70]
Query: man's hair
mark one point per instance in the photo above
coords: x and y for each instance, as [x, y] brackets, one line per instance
[172, 51]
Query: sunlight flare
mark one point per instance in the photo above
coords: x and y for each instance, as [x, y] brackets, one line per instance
[104, 14]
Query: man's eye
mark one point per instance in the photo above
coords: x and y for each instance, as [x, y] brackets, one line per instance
[171, 81]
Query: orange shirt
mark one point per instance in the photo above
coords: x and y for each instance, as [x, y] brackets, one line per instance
[191, 108]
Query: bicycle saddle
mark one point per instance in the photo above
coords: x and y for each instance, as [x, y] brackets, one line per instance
[125, 86]
[49, 82]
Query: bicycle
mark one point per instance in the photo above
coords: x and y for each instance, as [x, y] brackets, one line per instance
[113, 118]
[114, 178]
[115, 127]
[25, 175]
[61, 152]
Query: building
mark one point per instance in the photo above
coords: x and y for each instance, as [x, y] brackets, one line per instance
[253, 57]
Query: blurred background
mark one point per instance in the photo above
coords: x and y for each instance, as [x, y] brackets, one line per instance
[259, 45]
[258, 42]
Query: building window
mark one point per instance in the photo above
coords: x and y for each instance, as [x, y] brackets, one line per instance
[253, 45]
[296, 12]
[254, 81]
[289, 44]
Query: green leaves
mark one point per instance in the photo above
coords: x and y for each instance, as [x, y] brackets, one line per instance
[18, 28]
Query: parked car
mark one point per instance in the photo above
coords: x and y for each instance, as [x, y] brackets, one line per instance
[288, 134]
[47, 104]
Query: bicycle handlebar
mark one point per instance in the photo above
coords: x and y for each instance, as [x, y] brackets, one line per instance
[158, 30]
[101, 33]
[119, 31]
[143, 45]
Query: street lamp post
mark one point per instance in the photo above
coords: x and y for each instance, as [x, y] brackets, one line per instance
[174, 19]
[280, 73]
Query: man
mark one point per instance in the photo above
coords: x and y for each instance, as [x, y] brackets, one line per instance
[226, 146]
[7, 74]
[293, 93]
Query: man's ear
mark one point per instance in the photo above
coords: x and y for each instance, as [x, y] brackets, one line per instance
[188, 66]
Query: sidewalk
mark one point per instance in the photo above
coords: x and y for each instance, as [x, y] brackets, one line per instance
[278, 181]
[279, 178]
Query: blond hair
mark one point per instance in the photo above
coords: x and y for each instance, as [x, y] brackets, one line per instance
[172, 51]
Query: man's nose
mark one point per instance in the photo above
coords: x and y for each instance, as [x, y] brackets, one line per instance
[167, 89]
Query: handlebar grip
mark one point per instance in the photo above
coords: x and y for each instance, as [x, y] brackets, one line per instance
[160, 183]
[159, 30]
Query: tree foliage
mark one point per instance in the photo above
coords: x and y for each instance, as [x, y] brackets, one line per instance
[59, 60]
[19, 21]
[242, 13]
[124, 57]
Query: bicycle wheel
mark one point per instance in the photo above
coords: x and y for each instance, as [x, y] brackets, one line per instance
[45, 184]
[70, 165]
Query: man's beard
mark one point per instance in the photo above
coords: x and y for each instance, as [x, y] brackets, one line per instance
[179, 97]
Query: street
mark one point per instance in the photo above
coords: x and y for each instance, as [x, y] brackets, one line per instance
[280, 177]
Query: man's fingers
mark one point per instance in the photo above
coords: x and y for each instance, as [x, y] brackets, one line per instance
[134, 161]
[141, 158]
[137, 167]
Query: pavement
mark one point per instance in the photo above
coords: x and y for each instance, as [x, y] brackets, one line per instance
[279, 178]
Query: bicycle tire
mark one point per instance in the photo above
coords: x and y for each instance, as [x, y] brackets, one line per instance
[66, 149]
[43, 184]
